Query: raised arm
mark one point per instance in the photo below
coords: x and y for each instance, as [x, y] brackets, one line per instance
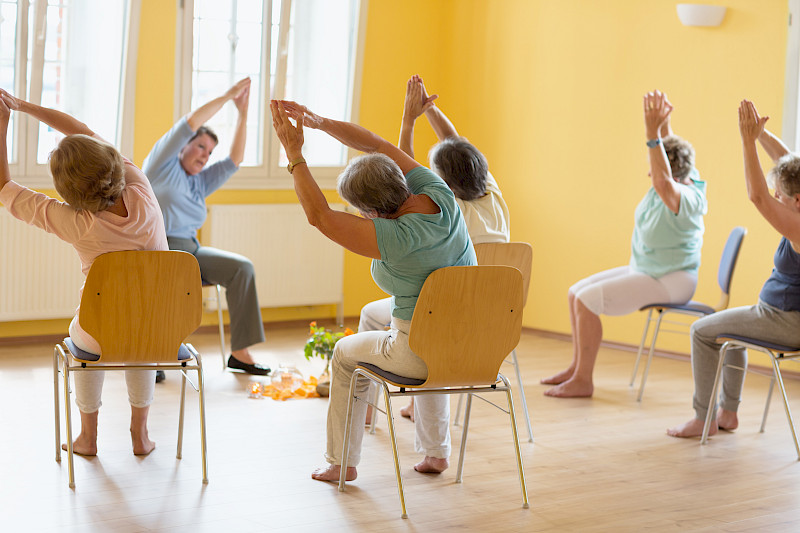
[783, 218]
[203, 114]
[772, 145]
[656, 113]
[242, 102]
[416, 103]
[441, 125]
[350, 134]
[354, 233]
[59, 121]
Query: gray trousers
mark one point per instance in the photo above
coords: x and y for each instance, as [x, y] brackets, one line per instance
[761, 321]
[234, 272]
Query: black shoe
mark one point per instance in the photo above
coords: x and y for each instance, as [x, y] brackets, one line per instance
[256, 369]
[160, 376]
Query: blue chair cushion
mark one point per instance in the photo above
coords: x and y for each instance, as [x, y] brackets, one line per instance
[779, 348]
[693, 306]
[183, 352]
[394, 378]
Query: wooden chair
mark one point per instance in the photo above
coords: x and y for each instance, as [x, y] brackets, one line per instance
[139, 306]
[727, 265]
[520, 256]
[466, 321]
[776, 353]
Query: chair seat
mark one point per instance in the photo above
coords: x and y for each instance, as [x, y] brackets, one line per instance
[394, 378]
[690, 306]
[779, 348]
[183, 352]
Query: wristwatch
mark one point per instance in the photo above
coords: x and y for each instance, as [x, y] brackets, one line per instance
[652, 143]
[294, 162]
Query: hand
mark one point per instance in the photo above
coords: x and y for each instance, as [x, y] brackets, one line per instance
[11, 102]
[750, 124]
[301, 112]
[656, 112]
[291, 136]
[417, 100]
[5, 111]
[237, 89]
[242, 100]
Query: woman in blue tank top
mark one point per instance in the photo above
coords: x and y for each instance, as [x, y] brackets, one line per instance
[776, 316]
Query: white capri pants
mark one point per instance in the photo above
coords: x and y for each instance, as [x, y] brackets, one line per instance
[623, 290]
[431, 411]
[89, 385]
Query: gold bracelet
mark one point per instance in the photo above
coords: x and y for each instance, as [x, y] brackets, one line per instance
[294, 163]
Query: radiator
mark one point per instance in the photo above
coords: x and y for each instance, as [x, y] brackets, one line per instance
[40, 275]
[295, 264]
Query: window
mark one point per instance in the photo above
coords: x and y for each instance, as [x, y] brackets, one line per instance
[69, 55]
[303, 50]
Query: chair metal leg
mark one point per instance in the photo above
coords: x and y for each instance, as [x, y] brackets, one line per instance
[712, 401]
[393, 438]
[641, 346]
[464, 434]
[347, 425]
[777, 370]
[221, 327]
[180, 417]
[650, 356]
[766, 405]
[515, 436]
[202, 400]
[68, 417]
[57, 407]
[457, 418]
[522, 395]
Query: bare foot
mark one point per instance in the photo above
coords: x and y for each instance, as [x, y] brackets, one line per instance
[727, 420]
[558, 379]
[142, 445]
[571, 388]
[692, 428]
[83, 446]
[432, 465]
[408, 410]
[331, 473]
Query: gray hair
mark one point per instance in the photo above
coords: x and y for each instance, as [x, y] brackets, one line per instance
[786, 175]
[373, 182]
[681, 156]
[462, 166]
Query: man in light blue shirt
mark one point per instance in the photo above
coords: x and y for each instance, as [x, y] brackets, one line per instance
[176, 167]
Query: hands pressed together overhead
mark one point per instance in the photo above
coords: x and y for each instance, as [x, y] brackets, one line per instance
[751, 125]
[657, 109]
[417, 100]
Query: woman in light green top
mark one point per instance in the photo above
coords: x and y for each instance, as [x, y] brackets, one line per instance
[665, 251]
[411, 226]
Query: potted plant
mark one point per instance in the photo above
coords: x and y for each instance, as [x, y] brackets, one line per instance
[320, 343]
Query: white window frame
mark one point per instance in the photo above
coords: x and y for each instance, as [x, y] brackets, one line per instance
[25, 168]
[268, 175]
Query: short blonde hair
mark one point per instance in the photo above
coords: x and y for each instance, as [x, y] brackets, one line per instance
[785, 175]
[88, 173]
[680, 153]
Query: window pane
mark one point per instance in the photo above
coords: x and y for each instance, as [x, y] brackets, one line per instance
[83, 66]
[321, 47]
[8, 79]
[227, 47]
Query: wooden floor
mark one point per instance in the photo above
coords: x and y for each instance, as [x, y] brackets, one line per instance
[603, 464]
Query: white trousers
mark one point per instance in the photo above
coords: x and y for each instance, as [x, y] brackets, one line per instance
[622, 290]
[89, 385]
[431, 411]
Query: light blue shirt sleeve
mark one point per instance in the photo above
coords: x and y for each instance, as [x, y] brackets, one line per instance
[166, 150]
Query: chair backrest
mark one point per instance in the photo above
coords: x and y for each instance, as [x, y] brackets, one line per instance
[727, 264]
[514, 254]
[466, 321]
[141, 305]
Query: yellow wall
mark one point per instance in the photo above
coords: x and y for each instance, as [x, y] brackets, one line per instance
[551, 92]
